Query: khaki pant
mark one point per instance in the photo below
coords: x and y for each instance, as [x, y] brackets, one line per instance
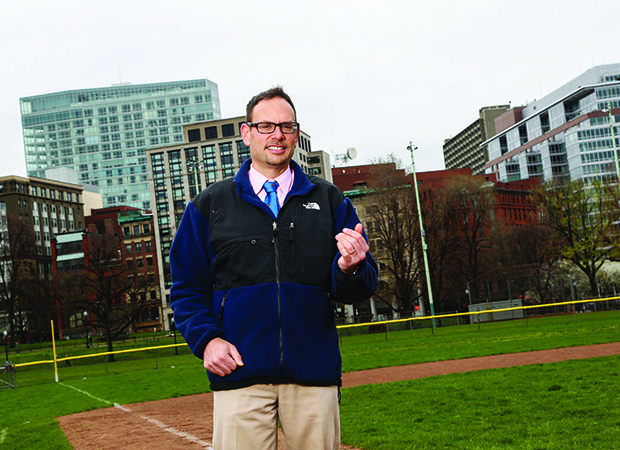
[246, 419]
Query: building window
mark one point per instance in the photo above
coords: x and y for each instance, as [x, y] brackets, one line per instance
[136, 230]
[228, 130]
[210, 133]
[193, 135]
[127, 248]
[226, 155]
[138, 246]
[243, 152]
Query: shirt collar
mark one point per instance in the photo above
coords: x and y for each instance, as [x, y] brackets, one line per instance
[285, 181]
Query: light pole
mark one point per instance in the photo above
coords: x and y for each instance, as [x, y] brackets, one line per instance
[86, 328]
[411, 148]
[6, 346]
[613, 141]
[468, 292]
[174, 336]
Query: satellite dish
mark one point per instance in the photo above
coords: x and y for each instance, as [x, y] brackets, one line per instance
[351, 153]
[344, 158]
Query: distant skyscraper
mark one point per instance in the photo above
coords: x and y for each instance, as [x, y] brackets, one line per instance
[464, 150]
[103, 133]
[566, 134]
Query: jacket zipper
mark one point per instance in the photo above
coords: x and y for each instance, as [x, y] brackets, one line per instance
[277, 268]
[220, 315]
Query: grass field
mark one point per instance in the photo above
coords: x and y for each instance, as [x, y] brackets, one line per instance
[560, 406]
[567, 405]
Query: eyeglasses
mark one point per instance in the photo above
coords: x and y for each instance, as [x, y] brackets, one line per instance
[270, 127]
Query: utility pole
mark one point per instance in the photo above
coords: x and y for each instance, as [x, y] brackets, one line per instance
[613, 142]
[411, 149]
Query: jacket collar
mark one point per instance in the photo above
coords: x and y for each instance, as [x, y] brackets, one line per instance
[301, 183]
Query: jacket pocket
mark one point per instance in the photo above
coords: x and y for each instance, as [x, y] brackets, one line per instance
[220, 315]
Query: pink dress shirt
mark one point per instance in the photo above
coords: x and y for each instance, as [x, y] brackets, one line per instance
[285, 182]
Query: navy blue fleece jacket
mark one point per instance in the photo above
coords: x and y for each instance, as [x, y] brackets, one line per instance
[266, 285]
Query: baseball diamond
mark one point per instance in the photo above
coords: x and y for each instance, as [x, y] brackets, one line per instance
[185, 423]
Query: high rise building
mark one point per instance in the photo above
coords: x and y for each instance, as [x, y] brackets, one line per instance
[566, 134]
[211, 151]
[103, 133]
[464, 150]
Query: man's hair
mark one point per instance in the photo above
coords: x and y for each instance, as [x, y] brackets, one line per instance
[267, 95]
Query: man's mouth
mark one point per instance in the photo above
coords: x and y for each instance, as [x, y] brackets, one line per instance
[276, 148]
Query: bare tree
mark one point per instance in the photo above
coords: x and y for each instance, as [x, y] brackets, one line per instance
[394, 230]
[111, 289]
[530, 259]
[585, 219]
[17, 270]
[444, 243]
[59, 298]
[469, 202]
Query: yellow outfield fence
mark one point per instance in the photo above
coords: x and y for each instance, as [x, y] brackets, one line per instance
[380, 325]
[95, 355]
[477, 314]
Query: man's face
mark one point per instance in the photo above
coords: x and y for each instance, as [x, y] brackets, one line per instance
[271, 153]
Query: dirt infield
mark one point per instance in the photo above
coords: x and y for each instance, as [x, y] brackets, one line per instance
[185, 423]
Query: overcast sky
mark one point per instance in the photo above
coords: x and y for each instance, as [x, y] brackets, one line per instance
[370, 75]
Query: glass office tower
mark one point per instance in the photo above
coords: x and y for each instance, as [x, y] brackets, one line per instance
[567, 134]
[103, 133]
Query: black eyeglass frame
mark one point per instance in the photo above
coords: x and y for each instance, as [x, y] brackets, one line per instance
[279, 125]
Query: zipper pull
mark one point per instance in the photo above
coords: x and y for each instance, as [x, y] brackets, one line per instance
[275, 232]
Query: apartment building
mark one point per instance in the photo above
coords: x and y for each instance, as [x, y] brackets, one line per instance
[566, 134]
[103, 133]
[464, 150]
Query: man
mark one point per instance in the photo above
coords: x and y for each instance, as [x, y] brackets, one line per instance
[254, 287]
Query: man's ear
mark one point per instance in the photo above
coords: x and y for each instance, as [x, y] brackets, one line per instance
[245, 133]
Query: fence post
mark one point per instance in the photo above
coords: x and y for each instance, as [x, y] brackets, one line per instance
[54, 350]
[527, 325]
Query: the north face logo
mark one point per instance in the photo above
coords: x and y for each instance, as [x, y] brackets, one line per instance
[312, 205]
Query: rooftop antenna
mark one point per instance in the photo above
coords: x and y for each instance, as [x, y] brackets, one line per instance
[344, 158]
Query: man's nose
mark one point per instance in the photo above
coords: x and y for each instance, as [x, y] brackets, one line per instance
[277, 133]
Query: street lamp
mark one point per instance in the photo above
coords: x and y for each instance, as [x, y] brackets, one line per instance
[467, 291]
[174, 335]
[86, 327]
[411, 148]
[6, 346]
[613, 141]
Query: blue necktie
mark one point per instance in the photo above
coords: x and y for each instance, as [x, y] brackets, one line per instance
[272, 197]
